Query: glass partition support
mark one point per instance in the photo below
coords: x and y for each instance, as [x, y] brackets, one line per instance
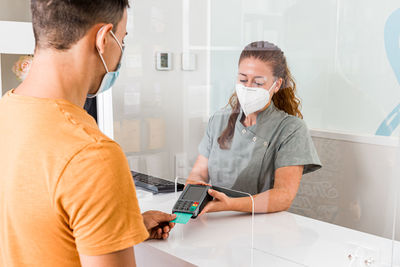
[396, 219]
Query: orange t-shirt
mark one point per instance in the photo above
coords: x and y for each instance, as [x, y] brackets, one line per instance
[64, 186]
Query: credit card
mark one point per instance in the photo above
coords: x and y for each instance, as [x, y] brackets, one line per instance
[182, 218]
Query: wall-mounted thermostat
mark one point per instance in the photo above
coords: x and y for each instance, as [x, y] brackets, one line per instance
[163, 61]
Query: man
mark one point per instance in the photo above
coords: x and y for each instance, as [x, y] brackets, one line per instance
[66, 193]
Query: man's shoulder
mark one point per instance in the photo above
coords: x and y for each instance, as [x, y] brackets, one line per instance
[78, 126]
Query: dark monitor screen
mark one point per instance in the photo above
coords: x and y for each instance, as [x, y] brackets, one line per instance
[193, 193]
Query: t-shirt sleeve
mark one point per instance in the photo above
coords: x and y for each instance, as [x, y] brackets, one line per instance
[297, 148]
[97, 198]
[206, 143]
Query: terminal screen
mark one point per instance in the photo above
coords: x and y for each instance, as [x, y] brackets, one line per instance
[193, 193]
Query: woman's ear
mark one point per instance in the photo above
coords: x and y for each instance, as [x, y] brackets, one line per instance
[101, 37]
[278, 84]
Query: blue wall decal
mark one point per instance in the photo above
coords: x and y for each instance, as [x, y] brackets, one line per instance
[392, 46]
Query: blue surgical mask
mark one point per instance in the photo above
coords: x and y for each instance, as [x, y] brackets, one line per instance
[111, 76]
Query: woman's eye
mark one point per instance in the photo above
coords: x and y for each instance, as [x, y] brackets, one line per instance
[259, 84]
[243, 81]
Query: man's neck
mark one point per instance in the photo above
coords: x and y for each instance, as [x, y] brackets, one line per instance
[56, 76]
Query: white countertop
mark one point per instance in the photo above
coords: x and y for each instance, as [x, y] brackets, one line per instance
[280, 239]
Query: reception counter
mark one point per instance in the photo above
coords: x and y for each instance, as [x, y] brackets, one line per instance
[280, 239]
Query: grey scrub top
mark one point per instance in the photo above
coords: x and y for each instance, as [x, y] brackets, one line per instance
[276, 140]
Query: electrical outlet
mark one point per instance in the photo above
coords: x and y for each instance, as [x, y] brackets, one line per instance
[360, 256]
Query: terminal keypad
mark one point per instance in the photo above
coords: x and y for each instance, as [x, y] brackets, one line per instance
[186, 205]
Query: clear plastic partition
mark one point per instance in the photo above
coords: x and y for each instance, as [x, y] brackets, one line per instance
[173, 117]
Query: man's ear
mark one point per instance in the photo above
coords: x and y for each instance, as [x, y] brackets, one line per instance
[101, 37]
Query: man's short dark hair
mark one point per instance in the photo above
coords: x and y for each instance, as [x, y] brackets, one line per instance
[59, 24]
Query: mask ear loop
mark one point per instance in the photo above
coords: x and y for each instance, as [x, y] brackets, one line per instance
[273, 86]
[113, 35]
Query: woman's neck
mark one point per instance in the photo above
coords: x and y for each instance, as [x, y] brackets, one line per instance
[249, 120]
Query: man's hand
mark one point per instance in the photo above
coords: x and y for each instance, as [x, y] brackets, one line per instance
[221, 202]
[158, 223]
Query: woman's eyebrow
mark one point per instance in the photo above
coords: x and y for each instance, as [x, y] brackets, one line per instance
[253, 77]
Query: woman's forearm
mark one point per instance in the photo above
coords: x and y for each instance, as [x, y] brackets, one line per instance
[196, 177]
[199, 171]
[273, 200]
[279, 198]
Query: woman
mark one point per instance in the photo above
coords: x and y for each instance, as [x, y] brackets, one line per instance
[256, 145]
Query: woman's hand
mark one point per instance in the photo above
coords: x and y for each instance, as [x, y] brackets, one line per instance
[199, 173]
[221, 202]
[196, 182]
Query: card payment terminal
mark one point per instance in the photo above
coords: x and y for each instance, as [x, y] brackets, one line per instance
[192, 200]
